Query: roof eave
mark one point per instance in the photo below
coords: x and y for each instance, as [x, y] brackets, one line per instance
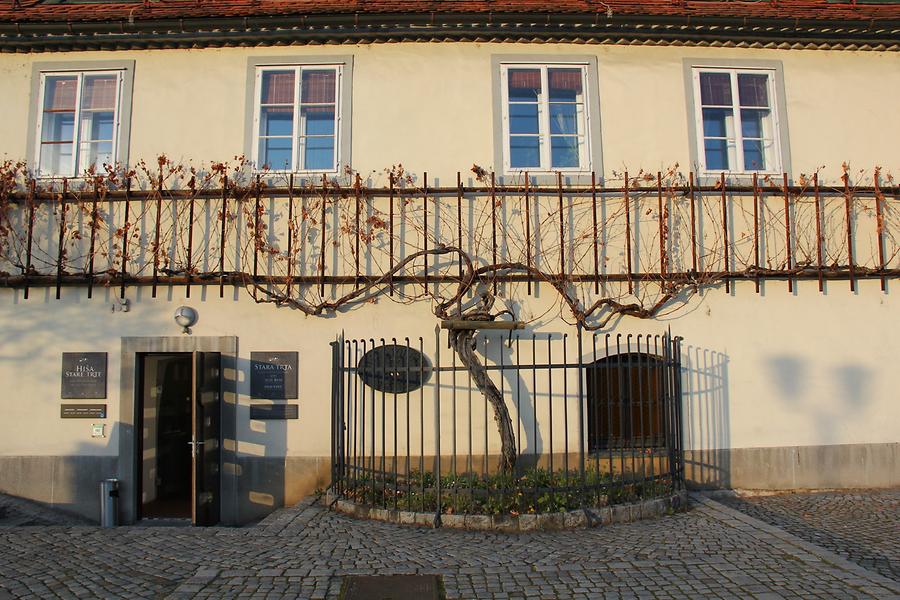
[371, 28]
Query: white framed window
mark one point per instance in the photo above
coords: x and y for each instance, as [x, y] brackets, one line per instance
[737, 120]
[297, 118]
[78, 121]
[546, 117]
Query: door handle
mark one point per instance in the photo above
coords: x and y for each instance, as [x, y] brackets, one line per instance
[193, 445]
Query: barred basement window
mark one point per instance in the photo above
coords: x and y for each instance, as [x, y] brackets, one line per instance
[625, 402]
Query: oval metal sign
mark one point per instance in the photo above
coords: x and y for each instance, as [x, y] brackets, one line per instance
[394, 369]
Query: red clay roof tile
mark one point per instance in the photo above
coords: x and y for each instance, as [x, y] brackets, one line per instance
[40, 11]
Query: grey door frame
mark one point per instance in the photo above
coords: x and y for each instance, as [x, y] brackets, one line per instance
[129, 397]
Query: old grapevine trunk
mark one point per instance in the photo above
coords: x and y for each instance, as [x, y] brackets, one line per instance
[461, 341]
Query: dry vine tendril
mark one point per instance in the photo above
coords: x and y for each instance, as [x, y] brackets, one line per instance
[640, 249]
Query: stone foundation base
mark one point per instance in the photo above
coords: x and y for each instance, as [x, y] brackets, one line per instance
[574, 519]
[839, 466]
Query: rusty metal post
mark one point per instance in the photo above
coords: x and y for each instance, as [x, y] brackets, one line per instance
[126, 236]
[879, 224]
[459, 197]
[528, 229]
[356, 261]
[62, 230]
[391, 235]
[190, 246]
[290, 240]
[787, 232]
[322, 238]
[628, 236]
[693, 225]
[819, 240]
[222, 237]
[562, 236]
[756, 228]
[725, 235]
[30, 235]
[156, 235]
[256, 233]
[662, 231]
[493, 229]
[425, 231]
[596, 250]
[92, 248]
[848, 209]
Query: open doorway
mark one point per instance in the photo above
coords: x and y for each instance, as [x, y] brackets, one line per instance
[178, 410]
[165, 402]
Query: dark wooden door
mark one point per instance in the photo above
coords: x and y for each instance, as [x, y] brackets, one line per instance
[206, 437]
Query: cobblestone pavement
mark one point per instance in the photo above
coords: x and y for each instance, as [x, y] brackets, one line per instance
[711, 551]
[17, 512]
[862, 526]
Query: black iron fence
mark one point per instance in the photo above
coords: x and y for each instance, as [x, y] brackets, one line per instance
[596, 419]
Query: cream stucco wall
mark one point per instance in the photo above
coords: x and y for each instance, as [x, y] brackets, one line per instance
[762, 371]
[777, 370]
[429, 106]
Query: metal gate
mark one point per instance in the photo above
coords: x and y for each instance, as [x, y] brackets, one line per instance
[597, 420]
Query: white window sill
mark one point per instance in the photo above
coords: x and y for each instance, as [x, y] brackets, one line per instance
[69, 178]
[542, 173]
[301, 173]
[741, 175]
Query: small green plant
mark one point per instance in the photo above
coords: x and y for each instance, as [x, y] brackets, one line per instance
[533, 491]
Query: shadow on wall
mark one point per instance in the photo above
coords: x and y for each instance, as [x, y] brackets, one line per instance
[35, 334]
[523, 396]
[259, 461]
[69, 484]
[850, 385]
[74, 323]
[707, 438]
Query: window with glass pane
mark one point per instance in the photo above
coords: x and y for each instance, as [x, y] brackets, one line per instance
[545, 117]
[98, 120]
[78, 124]
[297, 123]
[737, 121]
[276, 119]
[58, 125]
[566, 117]
[524, 118]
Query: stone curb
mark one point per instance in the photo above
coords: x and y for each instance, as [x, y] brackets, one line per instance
[573, 519]
[725, 513]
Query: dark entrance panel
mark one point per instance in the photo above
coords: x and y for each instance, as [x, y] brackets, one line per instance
[179, 443]
[205, 442]
[165, 419]
[625, 402]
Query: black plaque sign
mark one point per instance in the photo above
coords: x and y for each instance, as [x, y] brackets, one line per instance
[273, 375]
[82, 411]
[83, 375]
[274, 412]
[394, 369]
